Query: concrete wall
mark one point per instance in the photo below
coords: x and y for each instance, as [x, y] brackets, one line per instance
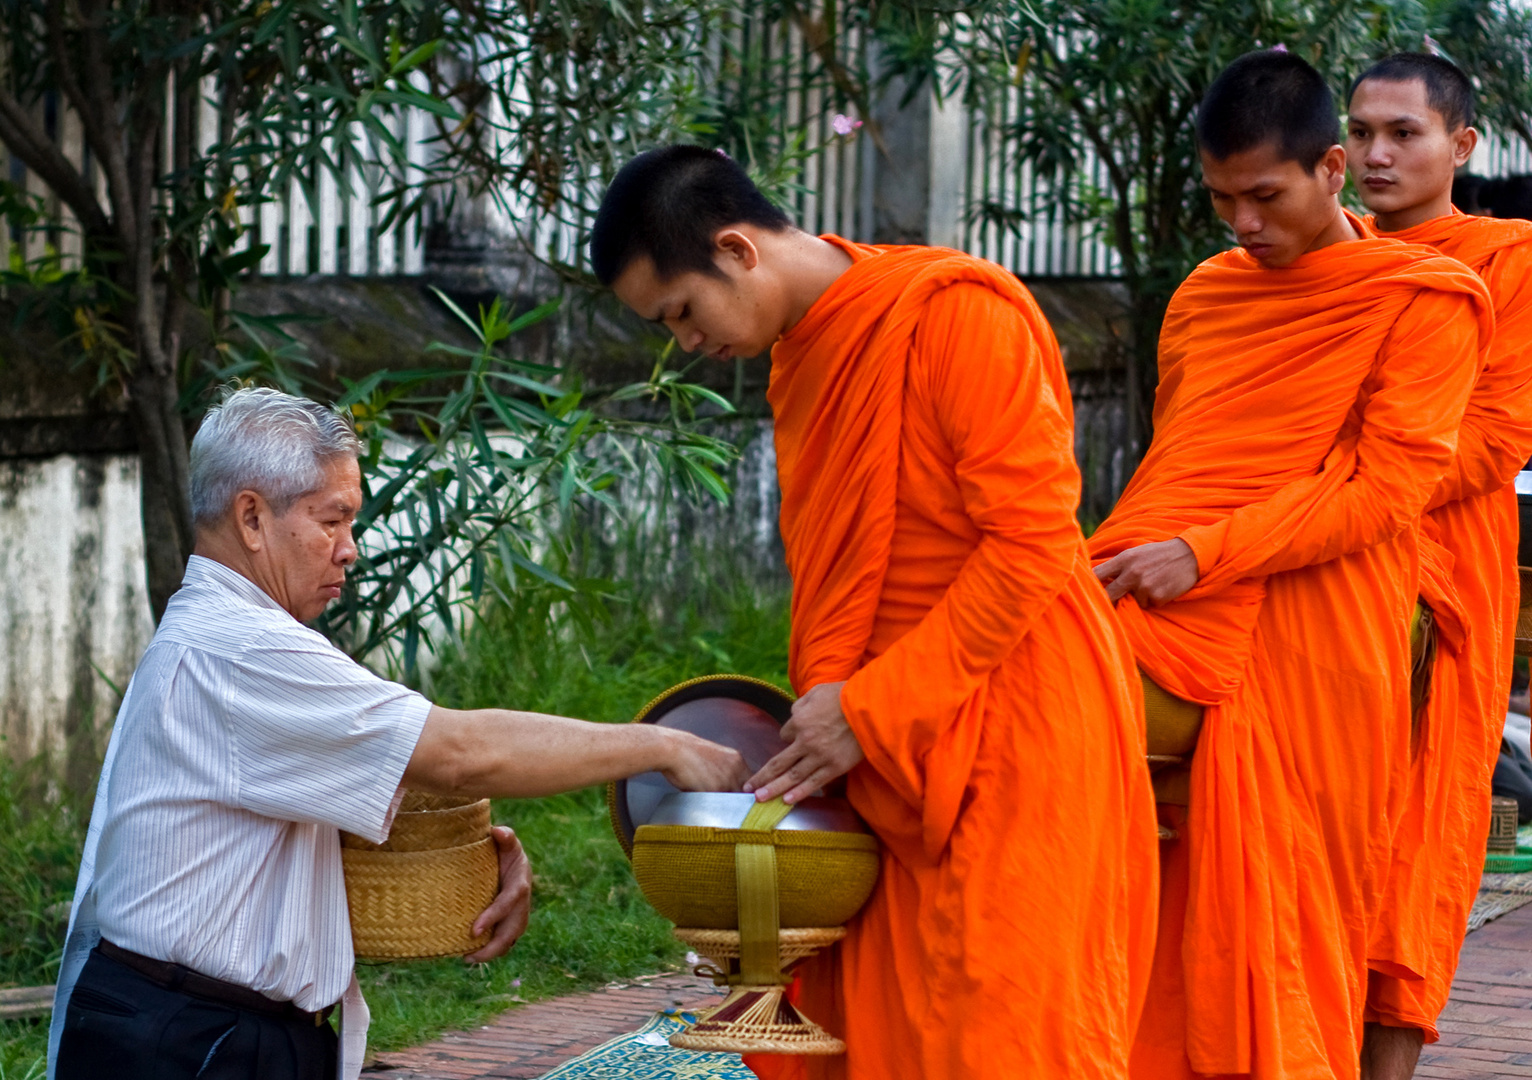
[72, 600]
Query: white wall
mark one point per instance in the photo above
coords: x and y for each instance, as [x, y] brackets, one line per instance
[72, 599]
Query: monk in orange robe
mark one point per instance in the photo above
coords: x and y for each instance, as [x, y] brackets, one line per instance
[960, 665]
[1265, 559]
[1410, 126]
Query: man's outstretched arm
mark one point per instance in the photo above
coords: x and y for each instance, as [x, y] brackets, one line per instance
[500, 753]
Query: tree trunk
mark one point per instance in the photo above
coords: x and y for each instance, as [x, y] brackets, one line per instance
[162, 478]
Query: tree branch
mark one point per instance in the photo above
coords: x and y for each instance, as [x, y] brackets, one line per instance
[39, 153]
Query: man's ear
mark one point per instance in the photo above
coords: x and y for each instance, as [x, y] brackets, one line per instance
[732, 245]
[1464, 141]
[251, 513]
[1332, 167]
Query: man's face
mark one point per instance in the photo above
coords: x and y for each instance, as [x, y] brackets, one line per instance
[1277, 209]
[309, 548]
[733, 313]
[1399, 150]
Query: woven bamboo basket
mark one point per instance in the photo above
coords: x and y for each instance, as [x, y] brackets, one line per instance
[750, 1020]
[416, 895]
[1502, 825]
[1524, 616]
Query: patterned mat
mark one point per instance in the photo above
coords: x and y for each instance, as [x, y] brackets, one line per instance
[646, 1054]
[1502, 893]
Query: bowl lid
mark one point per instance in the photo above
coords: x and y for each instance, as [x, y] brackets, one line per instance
[734, 710]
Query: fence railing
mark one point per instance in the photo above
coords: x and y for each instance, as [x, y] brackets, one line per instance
[981, 201]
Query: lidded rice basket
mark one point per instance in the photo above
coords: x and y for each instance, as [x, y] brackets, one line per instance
[416, 895]
[753, 887]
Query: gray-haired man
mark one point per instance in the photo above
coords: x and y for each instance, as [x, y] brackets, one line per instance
[210, 936]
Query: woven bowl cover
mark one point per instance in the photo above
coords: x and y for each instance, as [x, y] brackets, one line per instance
[1173, 724]
[417, 894]
[688, 873]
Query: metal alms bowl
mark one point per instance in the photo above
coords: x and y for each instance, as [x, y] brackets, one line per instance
[727, 809]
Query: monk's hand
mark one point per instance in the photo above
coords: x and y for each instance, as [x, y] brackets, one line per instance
[821, 747]
[505, 919]
[1154, 573]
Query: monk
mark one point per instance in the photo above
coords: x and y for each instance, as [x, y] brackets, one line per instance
[1410, 126]
[960, 667]
[1265, 560]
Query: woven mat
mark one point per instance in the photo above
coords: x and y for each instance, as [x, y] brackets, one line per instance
[1502, 893]
[646, 1054]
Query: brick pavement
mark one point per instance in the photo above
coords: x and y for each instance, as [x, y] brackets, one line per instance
[1487, 1027]
[1486, 1030]
[529, 1040]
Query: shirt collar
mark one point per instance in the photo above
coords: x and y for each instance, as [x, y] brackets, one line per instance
[201, 570]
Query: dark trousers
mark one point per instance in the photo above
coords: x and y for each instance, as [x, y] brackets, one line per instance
[122, 1026]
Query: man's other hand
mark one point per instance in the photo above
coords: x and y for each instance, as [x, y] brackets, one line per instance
[506, 917]
[822, 747]
[699, 765]
[1154, 573]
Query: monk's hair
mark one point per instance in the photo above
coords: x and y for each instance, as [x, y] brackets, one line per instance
[262, 440]
[1448, 90]
[668, 204]
[1270, 96]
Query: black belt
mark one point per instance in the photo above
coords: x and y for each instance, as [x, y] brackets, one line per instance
[183, 979]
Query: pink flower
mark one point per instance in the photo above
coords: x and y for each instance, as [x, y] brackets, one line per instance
[842, 124]
[1279, 47]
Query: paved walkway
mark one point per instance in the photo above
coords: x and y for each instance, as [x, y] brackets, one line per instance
[1487, 1027]
[529, 1040]
[1486, 1030]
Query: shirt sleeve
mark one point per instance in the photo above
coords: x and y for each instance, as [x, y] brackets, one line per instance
[1403, 441]
[1495, 440]
[979, 369]
[317, 737]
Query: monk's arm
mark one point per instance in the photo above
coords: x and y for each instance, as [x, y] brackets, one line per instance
[1495, 440]
[989, 378]
[1414, 404]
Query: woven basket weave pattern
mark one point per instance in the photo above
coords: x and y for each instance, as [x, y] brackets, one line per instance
[688, 874]
[417, 894]
[1502, 825]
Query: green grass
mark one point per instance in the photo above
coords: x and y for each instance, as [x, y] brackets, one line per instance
[40, 843]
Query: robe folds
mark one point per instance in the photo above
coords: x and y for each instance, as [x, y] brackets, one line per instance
[925, 451]
[1439, 843]
[1303, 418]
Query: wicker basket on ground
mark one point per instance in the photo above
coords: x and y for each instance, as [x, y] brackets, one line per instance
[416, 895]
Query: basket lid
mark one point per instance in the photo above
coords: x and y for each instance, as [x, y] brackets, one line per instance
[734, 710]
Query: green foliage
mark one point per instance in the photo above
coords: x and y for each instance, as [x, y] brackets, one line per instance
[41, 839]
[457, 476]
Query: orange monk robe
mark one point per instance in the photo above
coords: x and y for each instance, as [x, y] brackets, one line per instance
[1439, 851]
[925, 451]
[1303, 418]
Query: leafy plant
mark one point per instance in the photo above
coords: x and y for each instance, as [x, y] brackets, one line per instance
[462, 472]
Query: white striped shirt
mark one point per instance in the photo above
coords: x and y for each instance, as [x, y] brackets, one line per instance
[245, 741]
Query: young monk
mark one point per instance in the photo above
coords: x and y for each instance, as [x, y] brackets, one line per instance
[1264, 559]
[1410, 126]
[959, 665]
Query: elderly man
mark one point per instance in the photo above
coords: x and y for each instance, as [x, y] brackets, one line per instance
[210, 935]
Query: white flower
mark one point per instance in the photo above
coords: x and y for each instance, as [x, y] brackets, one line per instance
[692, 959]
[842, 124]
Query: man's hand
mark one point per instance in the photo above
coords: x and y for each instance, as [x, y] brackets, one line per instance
[823, 747]
[699, 765]
[507, 915]
[1154, 573]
